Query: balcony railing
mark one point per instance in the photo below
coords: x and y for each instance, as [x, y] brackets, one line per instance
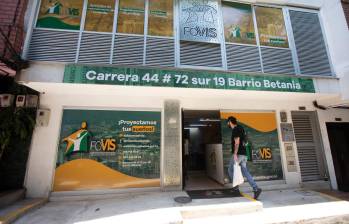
[11, 42]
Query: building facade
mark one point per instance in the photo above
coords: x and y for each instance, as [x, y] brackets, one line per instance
[12, 36]
[124, 85]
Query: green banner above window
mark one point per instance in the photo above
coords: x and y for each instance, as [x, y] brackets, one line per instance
[184, 79]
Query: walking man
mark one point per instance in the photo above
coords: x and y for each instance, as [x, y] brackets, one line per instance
[238, 141]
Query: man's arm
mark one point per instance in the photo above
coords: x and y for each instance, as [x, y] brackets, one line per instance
[236, 147]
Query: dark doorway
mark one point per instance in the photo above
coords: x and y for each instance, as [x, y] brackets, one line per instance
[200, 129]
[338, 134]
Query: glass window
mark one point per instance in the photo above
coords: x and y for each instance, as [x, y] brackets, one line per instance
[60, 14]
[271, 27]
[100, 15]
[238, 23]
[131, 16]
[160, 18]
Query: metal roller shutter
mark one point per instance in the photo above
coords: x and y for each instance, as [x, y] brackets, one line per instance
[243, 58]
[310, 44]
[277, 60]
[53, 45]
[307, 146]
[128, 50]
[95, 48]
[160, 52]
[200, 54]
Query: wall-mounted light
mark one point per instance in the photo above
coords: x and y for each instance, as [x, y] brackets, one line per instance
[198, 125]
[209, 120]
[191, 128]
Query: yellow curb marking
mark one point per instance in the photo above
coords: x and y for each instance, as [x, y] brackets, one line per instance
[248, 197]
[329, 196]
[10, 217]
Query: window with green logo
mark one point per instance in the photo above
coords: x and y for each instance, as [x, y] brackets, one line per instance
[60, 14]
[271, 27]
[160, 18]
[131, 16]
[238, 23]
[100, 15]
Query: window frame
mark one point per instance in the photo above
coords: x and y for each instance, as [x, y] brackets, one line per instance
[283, 14]
[173, 21]
[253, 19]
[319, 14]
[176, 35]
[102, 32]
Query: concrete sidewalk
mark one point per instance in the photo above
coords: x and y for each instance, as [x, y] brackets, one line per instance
[159, 207]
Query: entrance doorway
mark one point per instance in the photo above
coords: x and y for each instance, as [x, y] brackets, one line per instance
[338, 134]
[201, 141]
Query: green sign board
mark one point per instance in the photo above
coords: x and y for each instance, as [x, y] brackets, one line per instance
[263, 148]
[184, 79]
[108, 149]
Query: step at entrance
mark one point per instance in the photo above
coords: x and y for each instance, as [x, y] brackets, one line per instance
[220, 207]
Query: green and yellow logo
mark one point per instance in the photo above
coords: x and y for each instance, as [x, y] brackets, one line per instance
[57, 8]
[78, 141]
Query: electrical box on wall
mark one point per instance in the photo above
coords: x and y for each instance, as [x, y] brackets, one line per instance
[6, 100]
[43, 116]
[287, 132]
[290, 158]
[32, 101]
[20, 101]
[283, 116]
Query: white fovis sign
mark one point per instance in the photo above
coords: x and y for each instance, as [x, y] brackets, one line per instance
[199, 20]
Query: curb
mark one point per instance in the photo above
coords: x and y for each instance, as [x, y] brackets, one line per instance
[329, 196]
[13, 215]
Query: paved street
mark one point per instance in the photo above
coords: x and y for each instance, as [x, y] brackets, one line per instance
[294, 206]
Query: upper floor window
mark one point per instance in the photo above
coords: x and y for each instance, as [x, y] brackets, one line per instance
[271, 27]
[238, 23]
[160, 21]
[63, 14]
[100, 15]
[131, 16]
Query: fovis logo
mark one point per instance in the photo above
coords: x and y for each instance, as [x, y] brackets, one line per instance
[199, 19]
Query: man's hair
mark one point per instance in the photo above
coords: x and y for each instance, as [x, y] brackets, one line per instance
[232, 120]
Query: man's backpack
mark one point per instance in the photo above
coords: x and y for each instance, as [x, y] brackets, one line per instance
[248, 146]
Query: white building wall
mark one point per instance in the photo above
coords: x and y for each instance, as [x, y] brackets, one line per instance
[337, 33]
[41, 164]
[56, 96]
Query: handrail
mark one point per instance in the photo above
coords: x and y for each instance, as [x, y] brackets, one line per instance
[11, 43]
